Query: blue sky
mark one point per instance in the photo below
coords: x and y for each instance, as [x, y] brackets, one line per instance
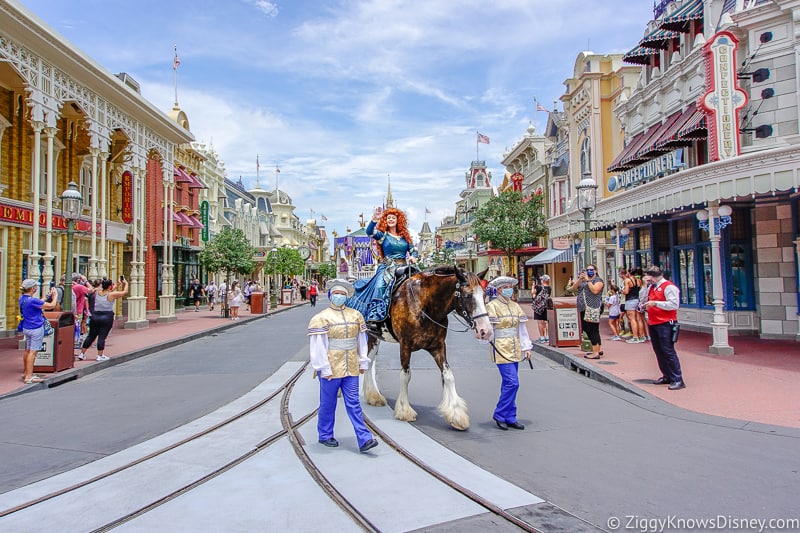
[341, 93]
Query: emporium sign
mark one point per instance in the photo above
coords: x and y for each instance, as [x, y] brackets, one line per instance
[127, 197]
[723, 97]
[23, 216]
[655, 168]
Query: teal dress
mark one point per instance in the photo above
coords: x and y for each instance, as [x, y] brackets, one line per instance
[372, 295]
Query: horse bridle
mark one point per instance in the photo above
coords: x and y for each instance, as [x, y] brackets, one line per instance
[469, 319]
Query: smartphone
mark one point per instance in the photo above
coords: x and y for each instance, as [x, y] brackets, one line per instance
[121, 277]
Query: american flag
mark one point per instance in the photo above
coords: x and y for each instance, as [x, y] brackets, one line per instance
[483, 138]
[324, 217]
[176, 60]
[540, 107]
[427, 211]
[258, 166]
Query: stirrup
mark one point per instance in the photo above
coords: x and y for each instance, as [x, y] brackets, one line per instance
[375, 327]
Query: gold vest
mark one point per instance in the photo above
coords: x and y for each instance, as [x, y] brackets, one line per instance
[342, 327]
[506, 316]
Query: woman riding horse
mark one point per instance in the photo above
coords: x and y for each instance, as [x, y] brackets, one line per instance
[388, 228]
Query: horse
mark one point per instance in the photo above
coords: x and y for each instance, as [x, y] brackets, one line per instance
[417, 320]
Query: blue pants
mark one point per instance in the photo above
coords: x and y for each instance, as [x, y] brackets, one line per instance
[667, 357]
[326, 417]
[506, 410]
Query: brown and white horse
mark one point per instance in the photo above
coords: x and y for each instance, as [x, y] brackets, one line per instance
[418, 321]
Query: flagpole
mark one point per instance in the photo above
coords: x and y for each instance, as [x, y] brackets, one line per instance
[276, 177]
[175, 63]
[258, 186]
[477, 154]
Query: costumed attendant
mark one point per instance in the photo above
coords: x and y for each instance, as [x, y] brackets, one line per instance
[395, 249]
[511, 340]
[338, 344]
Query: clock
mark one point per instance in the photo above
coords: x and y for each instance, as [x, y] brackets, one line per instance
[304, 252]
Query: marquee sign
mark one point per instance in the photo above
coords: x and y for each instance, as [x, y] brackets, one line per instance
[23, 216]
[127, 197]
[655, 168]
[723, 97]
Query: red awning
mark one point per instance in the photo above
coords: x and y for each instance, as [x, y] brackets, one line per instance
[651, 146]
[695, 127]
[181, 176]
[183, 220]
[194, 222]
[176, 218]
[670, 139]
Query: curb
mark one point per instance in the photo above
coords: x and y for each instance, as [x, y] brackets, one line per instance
[72, 374]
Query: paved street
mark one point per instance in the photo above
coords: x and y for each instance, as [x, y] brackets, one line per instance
[592, 449]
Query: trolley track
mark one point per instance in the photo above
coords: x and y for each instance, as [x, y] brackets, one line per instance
[289, 430]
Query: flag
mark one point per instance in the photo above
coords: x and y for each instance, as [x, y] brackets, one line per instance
[483, 138]
[540, 107]
[324, 217]
[277, 170]
[427, 211]
[176, 60]
[258, 166]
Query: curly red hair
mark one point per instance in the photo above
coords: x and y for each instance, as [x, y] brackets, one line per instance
[402, 226]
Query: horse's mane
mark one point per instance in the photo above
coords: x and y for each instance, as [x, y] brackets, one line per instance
[450, 270]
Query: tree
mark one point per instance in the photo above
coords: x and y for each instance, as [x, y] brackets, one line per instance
[509, 221]
[327, 271]
[229, 252]
[286, 262]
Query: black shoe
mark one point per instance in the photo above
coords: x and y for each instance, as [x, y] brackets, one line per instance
[661, 381]
[374, 328]
[515, 425]
[330, 443]
[501, 425]
[677, 385]
[371, 443]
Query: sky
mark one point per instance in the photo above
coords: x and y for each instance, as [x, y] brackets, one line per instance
[346, 95]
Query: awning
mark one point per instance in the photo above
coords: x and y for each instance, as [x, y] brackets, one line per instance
[670, 139]
[695, 127]
[263, 228]
[634, 156]
[183, 220]
[639, 55]
[551, 255]
[627, 158]
[682, 18]
[273, 231]
[176, 218]
[195, 222]
[652, 144]
[659, 39]
[181, 176]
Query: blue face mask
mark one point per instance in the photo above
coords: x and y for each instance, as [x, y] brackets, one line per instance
[338, 299]
[590, 272]
[508, 293]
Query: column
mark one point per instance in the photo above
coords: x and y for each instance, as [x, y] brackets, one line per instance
[137, 301]
[167, 299]
[102, 269]
[719, 324]
[48, 273]
[93, 257]
[33, 258]
[797, 262]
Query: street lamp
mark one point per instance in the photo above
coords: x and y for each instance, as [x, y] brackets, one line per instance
[587, 200]
[274, 253]
[471, 249]
[71, 202]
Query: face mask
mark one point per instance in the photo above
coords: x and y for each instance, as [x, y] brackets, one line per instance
[508, 293]
[338, 299]
[590, 272]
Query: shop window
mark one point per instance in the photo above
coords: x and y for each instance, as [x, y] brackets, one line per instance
[708, 278]
[686, 276]
[739, 277]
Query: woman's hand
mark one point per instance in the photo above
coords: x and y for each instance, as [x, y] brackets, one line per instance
[376, 215]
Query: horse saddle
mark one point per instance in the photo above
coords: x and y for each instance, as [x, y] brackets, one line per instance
[401, 274]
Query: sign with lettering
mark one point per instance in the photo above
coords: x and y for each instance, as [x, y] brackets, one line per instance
[723, 97]
[204, 220]
[655, 168]
[23, 216]
[127, 197]
[567, 321]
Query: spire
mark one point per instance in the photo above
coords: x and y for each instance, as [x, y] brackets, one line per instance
[389, 200]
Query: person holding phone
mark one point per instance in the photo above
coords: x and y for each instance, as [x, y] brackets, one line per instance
[589, 288]
[102, 316]
[32, 325]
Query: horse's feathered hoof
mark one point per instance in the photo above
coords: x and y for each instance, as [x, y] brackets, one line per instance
[461, 426]
[376, 399]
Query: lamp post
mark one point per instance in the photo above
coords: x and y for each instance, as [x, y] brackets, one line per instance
[471, 249]
[71, 202]
[720, 217]
[274, 253]
[587, 200]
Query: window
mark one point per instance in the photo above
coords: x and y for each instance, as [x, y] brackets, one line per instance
[686, 276]
[85, 185]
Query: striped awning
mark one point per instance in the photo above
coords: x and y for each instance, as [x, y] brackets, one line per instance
[639, 55]
[659, 39]
[649, 148]
[682, 18]
[633, 146]
[551, 255]
[695, 127]
[670, 139]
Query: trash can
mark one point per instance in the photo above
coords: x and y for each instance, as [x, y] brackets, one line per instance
[258, 303]
[286, 296]
[563, 322]
[58, 352]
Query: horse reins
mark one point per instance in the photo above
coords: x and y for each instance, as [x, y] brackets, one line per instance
[470, 319]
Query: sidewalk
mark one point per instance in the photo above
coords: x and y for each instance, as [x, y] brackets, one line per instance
[759, 383]
[123, 345]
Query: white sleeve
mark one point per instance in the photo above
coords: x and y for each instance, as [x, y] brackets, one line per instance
[363, 358]
[524, 338]
[319, 354]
